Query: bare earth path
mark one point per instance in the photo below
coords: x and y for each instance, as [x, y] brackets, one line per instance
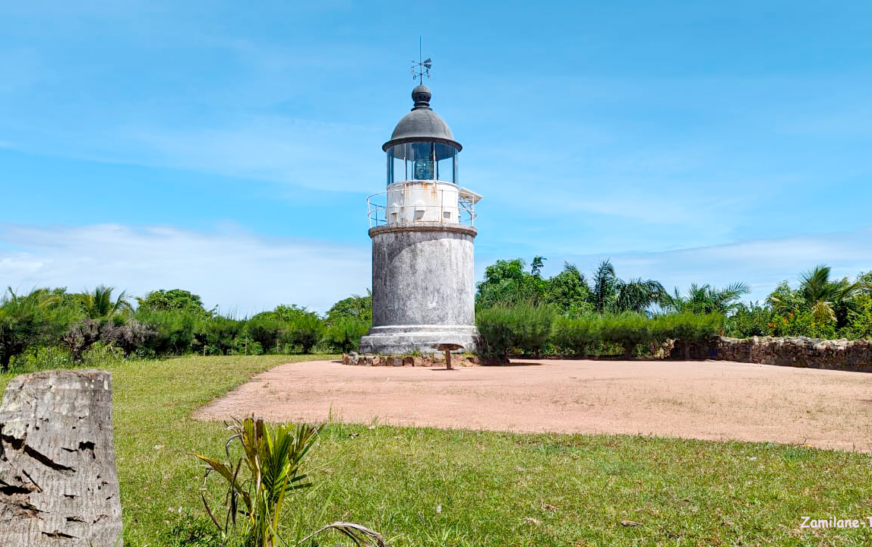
[701, 400]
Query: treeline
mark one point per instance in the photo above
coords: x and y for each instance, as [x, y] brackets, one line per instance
[46, 323]
[820, 307]
[520, 311]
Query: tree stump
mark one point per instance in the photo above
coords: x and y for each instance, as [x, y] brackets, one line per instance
[58, 483]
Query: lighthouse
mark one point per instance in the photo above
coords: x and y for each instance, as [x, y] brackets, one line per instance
[423, 233]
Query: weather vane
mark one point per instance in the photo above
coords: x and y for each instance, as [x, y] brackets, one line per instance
[422, 67]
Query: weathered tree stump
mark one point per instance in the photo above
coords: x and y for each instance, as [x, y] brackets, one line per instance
[58, 484]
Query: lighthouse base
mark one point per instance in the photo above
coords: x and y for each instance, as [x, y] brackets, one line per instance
[403, 339]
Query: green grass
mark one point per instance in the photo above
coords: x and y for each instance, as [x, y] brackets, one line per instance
[447, 487]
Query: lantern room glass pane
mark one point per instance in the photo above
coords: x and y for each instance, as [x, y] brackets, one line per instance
[422, 161]
[446, 162]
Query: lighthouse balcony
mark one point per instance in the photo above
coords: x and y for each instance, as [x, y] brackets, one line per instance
[422, 202]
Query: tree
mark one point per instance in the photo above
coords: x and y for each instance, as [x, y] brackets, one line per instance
[860, 318]
[537, 265]
[27, 320]
[306, 330]
[750, 320]
[217, 335]
[568, 291]
[611, 294]
[604, 282]
[637, 295]
[99, 304]
[707, 299]
[819, 295]
[355, 306]
[173, 300]
[291, 313]
[784, 300]
[301, 326]
[506, 282]
[267, 330]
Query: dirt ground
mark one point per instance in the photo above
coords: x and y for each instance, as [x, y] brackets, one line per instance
[702, 400]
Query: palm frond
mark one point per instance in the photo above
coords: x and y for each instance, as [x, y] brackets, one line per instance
[360, 535]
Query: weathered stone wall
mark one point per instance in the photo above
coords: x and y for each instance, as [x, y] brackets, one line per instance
[798, 351]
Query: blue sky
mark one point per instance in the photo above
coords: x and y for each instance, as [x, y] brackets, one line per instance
[228, 148]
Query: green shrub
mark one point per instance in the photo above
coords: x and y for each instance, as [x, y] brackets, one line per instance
[521, 326]
[345, 332]
[626, 330]
[802, 324]
[37, 318]
[687, 326]
[861, 318]
[266, 329]
[173, 331]
[534, 327]
[576, 336]
[747, 321]
[244, 344]
[495, 326]
[42, 358]
[306, 329]
[217, 335]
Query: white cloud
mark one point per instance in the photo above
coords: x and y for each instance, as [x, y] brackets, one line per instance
[238, 271]
[324, 156]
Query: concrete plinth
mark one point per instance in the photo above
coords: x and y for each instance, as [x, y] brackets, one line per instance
[423, 288]
[423, 338]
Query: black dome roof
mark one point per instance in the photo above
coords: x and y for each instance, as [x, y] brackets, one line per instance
[422, 123]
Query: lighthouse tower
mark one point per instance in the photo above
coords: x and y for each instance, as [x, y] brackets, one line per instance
[423, 279]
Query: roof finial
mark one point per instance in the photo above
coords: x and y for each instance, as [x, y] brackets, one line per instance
[423, 66]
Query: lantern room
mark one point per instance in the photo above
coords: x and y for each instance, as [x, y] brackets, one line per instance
[422, 161]
[422, 147]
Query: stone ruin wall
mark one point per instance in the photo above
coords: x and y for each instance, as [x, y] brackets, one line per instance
[853, 355]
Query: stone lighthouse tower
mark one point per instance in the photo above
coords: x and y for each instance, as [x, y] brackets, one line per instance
[423, 279]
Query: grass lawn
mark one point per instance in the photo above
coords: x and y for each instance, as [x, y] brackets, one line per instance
[444, 487]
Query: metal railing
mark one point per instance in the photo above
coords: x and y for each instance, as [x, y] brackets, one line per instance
[377, 211]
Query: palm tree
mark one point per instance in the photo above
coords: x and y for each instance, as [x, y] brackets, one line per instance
[819, 294]
[99, 304]
[604, 281]
[637, 294]
[708, 299]
[613, 294]
[30, 319]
